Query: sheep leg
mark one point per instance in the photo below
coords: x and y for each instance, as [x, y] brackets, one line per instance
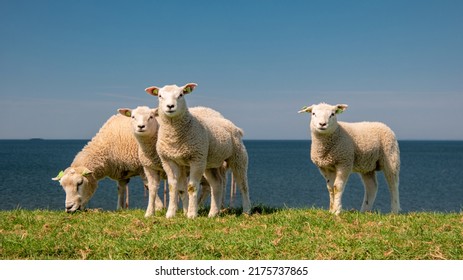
[153, 185]
[121, 192]
[239, 167]
[342, 175]
[196, 172]
[330, 177]
[392, 179]
[371, 188]
[216, 182]
[182, 182]
[205, 192]
[173, 173]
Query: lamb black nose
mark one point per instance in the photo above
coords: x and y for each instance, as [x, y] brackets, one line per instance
[141, 126]
[170, 106]
[322, 124]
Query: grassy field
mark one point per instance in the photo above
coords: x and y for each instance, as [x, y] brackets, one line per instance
[267, 234]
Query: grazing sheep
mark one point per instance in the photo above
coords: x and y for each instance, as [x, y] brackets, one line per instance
[339, 148]
[203, 145]
[145, 129]
[113, 152]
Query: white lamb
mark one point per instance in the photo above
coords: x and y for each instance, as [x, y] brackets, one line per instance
[340, 148]
[145, 129]
[203, 145]
[113, 153]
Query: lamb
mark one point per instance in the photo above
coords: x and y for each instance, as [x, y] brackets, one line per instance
[112, 152]
[200, 144]
[145, 129]
[340, 148]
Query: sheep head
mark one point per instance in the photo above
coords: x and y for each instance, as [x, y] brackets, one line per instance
[79, 186]
[144, 121]
[171, 98]
[323, 119]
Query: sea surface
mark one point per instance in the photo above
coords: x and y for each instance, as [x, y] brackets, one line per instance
[280, 175]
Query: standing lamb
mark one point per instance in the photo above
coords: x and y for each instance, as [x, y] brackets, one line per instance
[113, 152]
[340, 148]
[145, 129]
[200, 144]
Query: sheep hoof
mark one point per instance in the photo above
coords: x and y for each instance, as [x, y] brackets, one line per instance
[192, 215]
[212, 215]
[149, 214]
[170, 215]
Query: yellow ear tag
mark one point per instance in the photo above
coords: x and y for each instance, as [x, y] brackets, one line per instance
[155, 91]
[303, 109]
[128, 114]
[187, 90]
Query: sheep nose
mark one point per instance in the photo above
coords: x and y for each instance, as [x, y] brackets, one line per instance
[170, 106]
[322, 124]
[141, 126]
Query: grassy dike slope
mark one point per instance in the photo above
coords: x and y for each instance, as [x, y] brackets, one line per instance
[267, 234]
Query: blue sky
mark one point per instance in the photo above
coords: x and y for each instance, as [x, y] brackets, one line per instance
[67, 66]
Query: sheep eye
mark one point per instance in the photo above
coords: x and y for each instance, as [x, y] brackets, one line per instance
[332, 115]
[181, 95]
[313, 114]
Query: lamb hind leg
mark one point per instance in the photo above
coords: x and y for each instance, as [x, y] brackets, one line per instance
[392, 179]
[121, 194]
[371, 188]
[216, 183]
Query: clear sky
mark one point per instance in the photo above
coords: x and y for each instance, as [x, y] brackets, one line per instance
[67, 66]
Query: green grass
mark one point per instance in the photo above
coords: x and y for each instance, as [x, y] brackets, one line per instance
[267, 234]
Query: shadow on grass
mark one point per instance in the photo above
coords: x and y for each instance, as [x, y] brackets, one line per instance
[259, 209]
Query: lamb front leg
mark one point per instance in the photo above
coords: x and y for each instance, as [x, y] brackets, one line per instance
[330, 177]
[173, 174]
[196, 172]
[153, 186]
[342, 175]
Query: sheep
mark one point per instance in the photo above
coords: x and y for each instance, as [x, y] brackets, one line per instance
[202, 144]
[340, 148]
[112, 152]
[145, 129]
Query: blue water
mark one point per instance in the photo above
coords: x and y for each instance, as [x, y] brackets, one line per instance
[280, 175]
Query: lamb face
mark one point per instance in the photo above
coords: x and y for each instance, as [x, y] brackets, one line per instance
[171, 101]
[77, 186]
[324, 119]
[144, 121]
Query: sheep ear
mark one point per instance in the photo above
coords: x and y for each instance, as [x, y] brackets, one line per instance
[152, 90]
[341, 108]
[189, 88]
[306, 109]
[59, 176]
[156, 112]
[86, 172]
[125, 112]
